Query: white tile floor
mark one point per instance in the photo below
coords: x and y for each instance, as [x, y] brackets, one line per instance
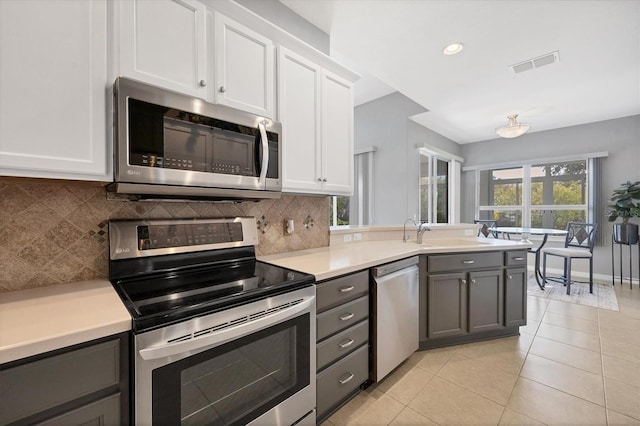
[571, 365]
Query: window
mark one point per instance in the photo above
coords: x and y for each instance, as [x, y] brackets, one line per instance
[543, 195]
[439, 181]
[339, 210]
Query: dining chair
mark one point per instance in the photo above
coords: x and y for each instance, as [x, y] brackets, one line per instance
[578, 244]
[484, 229]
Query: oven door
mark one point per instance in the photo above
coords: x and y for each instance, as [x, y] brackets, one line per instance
[253, 364]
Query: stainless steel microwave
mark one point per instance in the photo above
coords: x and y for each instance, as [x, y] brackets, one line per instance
[169, 145]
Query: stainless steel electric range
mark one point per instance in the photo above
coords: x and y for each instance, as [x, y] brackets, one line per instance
[219, 337]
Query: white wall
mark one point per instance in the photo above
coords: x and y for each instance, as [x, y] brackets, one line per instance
[280, 15]
[620, 137]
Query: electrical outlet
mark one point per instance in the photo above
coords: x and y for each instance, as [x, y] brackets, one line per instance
[347, 238]
[468, 232]
[357, 236]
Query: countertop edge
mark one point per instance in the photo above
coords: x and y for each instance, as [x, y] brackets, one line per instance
[38, 347]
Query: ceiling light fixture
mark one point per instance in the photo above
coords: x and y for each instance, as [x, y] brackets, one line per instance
[453, 48]
[513, 129]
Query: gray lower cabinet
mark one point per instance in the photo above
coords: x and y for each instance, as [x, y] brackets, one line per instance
[470, 296]
[342, 350]
[515, 313]
[447, 305]
[486, 307]
[83, 384]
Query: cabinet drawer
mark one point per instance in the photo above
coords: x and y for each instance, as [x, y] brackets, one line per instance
[464, 262]
[340, 290]
[37, 386]
[103, 412]
[515, 258]
[342, 344]
[342, 317]
[341, 379]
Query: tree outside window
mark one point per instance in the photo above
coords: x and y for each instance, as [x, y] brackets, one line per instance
[541, 195]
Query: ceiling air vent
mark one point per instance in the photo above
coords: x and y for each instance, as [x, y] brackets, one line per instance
[538, 62]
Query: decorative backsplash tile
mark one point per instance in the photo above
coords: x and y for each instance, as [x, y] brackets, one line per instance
[54, 231]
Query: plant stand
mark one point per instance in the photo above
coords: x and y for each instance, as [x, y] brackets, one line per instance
[620, 244]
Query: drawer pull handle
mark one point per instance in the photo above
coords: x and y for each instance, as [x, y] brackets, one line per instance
[347, 379]
[468, 262]
[346, 289]
[346, 344]
[346, 317]
[518, 258]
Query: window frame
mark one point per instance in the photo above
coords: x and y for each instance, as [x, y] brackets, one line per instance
[526, 207]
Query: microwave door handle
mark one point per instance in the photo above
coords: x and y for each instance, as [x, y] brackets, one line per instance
[264, 142]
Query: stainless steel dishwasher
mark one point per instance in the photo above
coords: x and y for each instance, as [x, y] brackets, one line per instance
[395, 315]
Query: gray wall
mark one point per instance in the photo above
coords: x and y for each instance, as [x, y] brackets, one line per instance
[619, 137]
[384, 123]
[280, 15]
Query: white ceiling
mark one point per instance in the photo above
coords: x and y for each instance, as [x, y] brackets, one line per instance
[468, 95]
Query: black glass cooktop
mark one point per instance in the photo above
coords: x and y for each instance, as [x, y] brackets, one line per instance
[171, 296]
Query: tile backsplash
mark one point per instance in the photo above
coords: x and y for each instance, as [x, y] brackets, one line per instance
[55, 231]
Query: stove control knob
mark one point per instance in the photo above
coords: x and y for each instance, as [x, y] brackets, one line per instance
[175, 241]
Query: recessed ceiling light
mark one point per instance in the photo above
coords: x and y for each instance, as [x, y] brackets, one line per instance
[453, 48]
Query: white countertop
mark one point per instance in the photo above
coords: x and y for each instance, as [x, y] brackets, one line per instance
[332, 261]
[43, 319]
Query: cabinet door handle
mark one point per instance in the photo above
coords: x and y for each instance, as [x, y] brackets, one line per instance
[346, 289]
[319, 179]
[346, 344]
[463, 281]
[510, 277]
[222, 89]
[473, 281]
[468, 262]
[203, 83]
[346, 379]
[518, 258]
[346, 317]
[324, 179]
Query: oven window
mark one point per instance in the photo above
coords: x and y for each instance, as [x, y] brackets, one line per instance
[236, 382]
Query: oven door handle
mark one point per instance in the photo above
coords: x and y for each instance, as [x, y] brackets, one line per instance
[216, 338]
[264, 142]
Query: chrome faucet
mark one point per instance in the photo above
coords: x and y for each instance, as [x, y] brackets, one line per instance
[421, 231]
[405, 237]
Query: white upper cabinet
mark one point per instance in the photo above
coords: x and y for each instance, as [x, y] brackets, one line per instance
[337, 134]
[244, 67]
[316, 111]
[299, 111]
[163, 42]
[53, 86]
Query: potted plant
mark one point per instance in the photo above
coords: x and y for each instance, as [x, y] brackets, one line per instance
[622, 205]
